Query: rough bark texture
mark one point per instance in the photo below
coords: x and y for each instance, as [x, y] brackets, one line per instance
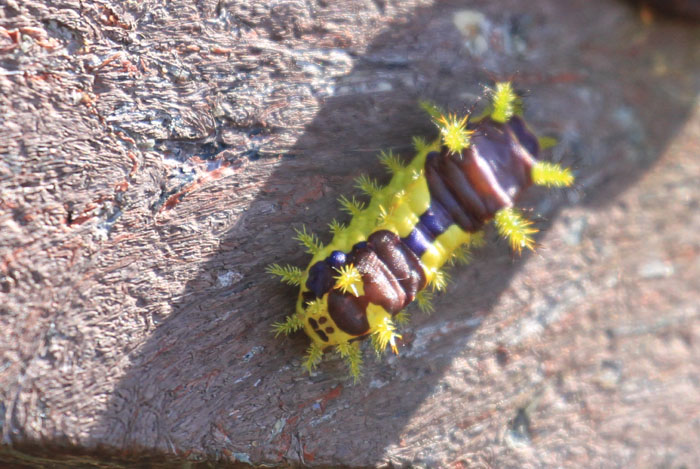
[156, 156]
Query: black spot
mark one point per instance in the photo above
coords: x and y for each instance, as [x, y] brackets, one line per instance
[322, 335]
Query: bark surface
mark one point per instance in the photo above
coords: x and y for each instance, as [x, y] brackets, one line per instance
[156, 156]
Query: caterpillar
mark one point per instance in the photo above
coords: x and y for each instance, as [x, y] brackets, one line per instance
[432, 212]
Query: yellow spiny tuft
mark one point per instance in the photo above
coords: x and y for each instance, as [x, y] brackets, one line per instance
[336, 227]
[477, 239]
[454, 132]
[390, 161]
[316, 307]
[551, 175]
[439, 281]
[385, 334]
[516, 228]
[291, 325]
[353, 355]
[381, 217]
[367, 185]
[462, 255]
[313, 357]
[424, 298]
[401, 318]
[352, 206]
[309, 240]
[504, 102]
[398, 197]
[432, 109]
[287, 273]
[349, 279]
[419, 144]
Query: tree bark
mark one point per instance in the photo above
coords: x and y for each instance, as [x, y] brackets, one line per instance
[156, 156]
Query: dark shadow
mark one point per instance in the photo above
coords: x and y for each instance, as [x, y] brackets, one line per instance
[212, 377]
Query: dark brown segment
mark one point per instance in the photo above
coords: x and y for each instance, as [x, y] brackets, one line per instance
[488, 176]
[313, 323]
[321, 334]
[380, 285]
[348, 312]
[460, 188]
[322, 320]
[483, 180]
[501, 146]
[401, 261]
[440, 192]
[330, 330]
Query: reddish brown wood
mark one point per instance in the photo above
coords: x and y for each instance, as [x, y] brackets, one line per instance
[155, 157]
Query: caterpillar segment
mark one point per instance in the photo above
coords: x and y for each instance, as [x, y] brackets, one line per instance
[431, 212]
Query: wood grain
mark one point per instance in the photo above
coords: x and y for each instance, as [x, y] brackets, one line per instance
[156, 156]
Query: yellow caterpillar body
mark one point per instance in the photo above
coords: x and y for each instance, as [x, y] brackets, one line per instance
[431, 212]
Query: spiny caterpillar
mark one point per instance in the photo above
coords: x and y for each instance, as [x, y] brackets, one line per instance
[431, 212]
